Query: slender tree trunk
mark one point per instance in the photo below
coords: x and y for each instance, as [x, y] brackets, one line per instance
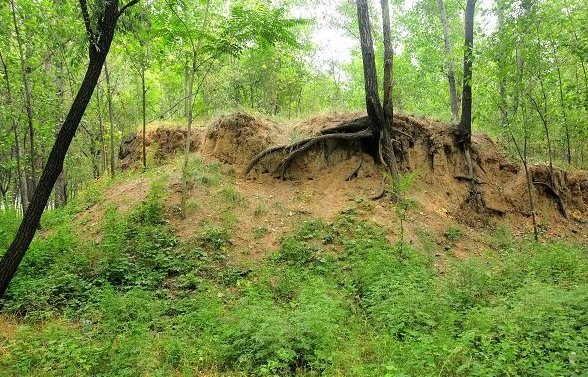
[186, 83]
[388, 60]
[465, 125]
[388, 105]
[110, 118]
[22, 182]
[60, 185]
[190, 116]
[27, 97]
[523, 156]
[102, 130]
[100, 41]
[450, 69]
[502, 80]
[144, 103]
[563, 109]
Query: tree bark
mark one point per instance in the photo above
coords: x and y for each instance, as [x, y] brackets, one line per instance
[388, 105]
[465, 125]
[388, 60]
[379, 125]
[563, 109]
[450, 69]
[100, 41]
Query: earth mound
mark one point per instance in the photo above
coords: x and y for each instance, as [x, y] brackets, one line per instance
[424, 147]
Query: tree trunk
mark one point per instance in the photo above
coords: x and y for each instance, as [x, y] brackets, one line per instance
[388, 60]
[22, 182]
[523, 156]
[388, 105]
[144, 103]
[190, 116]
[60, 186]
[449, 57]
[503, 105]
[102, 130]
[110, 118]
[100, 41]
[379, 123]
[563, 109]
[27, 97]
[465, 125]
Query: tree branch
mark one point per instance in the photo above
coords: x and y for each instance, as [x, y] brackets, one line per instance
[87, 23]
[127, 6]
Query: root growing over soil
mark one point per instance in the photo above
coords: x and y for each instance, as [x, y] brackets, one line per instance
[357, 129]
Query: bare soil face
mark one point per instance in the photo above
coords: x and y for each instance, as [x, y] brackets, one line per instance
[316, 186]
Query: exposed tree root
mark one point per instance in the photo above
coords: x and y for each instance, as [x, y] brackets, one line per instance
[476, 198]
[469, 179]
[357, 129]
[354, 130]
[560, 204]
[382, 191]
[359, 164]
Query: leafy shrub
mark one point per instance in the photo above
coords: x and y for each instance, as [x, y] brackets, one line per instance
[266, 338]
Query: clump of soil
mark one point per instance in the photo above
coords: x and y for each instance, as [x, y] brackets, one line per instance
[162, 143]
[236, 138]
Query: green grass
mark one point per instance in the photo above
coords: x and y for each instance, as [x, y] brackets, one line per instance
[335, 299]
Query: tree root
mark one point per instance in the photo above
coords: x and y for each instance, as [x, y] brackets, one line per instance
[359, 164]
[295, 149]
[382, 191]
[357, 129]
[557, 197]
[476, 197]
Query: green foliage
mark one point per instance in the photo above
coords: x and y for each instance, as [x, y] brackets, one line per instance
[453, 233]
[335, 299]
[208, 175]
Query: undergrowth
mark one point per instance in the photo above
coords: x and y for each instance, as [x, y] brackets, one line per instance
[334, 299]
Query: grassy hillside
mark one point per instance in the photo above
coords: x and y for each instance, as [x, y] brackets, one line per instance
[333, 297]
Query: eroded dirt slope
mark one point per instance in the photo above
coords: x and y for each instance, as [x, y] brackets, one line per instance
[316, 186]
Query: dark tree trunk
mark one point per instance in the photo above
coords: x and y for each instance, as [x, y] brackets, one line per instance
[465, 125]
[380, 127]
[388, 60]
[100, 41]
[388, 94]
[449, 57]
